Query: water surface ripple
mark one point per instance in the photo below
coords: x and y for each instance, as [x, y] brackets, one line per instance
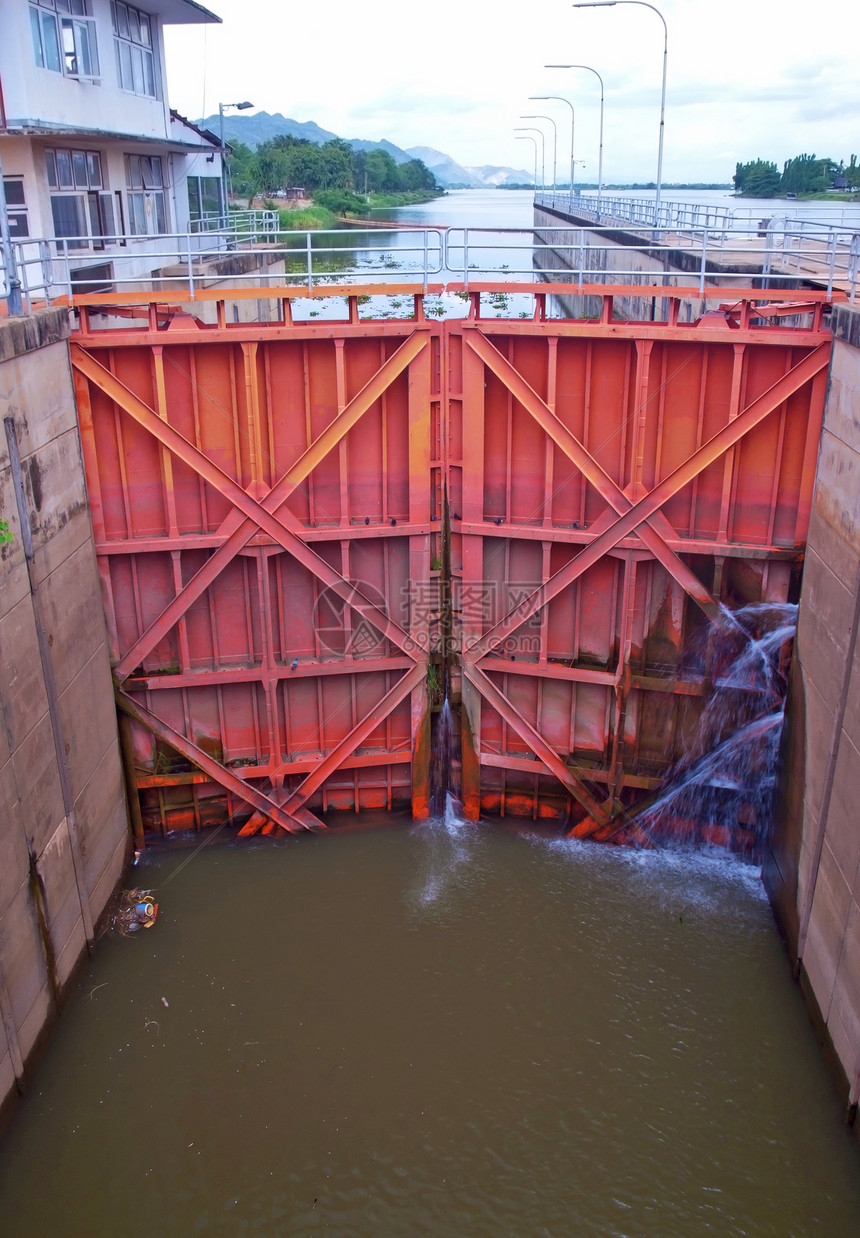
[436, 1029]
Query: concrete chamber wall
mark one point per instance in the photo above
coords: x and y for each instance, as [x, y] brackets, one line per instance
[813, 870]
[616, 250]
[63, 826]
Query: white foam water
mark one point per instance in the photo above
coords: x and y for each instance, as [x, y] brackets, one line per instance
[722, 788]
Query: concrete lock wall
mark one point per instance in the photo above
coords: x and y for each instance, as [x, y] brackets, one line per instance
[616, 250]
[813, 870]
[64, 837]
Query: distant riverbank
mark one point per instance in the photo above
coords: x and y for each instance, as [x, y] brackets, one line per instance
[826, 196]
[336, 210]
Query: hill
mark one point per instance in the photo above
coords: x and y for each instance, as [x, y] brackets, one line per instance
[263, 126]
[446, 170]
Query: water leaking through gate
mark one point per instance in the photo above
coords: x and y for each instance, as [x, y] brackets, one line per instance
[304, 529]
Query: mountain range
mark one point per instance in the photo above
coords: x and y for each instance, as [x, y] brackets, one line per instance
[263, 126]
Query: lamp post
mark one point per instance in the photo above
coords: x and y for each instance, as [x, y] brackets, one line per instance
[532, 129]
[554, 145]
[240, 107]
[605, 4]
[525, 137]
[600, 148]
[560, 99]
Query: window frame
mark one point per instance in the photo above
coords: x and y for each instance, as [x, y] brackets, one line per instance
[198, 197]
[77, 176]
[134, 50]
[16, 212]
[64, 38]
[145, 179]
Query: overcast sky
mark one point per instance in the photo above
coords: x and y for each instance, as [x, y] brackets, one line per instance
[746, 78]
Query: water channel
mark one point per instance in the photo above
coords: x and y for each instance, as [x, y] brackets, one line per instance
[435, 1028]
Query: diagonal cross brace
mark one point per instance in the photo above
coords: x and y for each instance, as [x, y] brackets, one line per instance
[536, 742]
[257, 515]
[805, 370]
[293, 803]
[594, 472]
[355, 737]
[216, 771]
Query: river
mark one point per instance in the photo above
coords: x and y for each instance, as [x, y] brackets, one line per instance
[439, 1029]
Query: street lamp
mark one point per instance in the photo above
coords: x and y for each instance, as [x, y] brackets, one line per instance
[560, 99]
[600, 149]
[605, 4]
[525, 137]
[554, 145]
[240, 107]
[540, 132]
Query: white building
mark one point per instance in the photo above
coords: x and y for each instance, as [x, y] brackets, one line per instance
[91, 153]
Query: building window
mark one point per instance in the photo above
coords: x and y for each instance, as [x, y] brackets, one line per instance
[16, 207]
[92, 279]
[147, 208]
[64, 37]
[135, 63]
[83, 214]
[204, 199]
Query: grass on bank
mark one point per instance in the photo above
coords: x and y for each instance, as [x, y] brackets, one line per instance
[306, 218]
[329, 205]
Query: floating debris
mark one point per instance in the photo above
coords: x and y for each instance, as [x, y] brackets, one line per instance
[135, 910]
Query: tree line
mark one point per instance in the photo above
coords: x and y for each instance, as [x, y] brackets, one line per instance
[332, 169]
[800, 175]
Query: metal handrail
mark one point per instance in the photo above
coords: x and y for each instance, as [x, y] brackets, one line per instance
[782, 254]
[260, 223]
[785, 253]
[682, 216]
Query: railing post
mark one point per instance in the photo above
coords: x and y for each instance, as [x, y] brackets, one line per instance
[190, 265]
[853, 267]
[832, 269]
[68, 269]
[703, 262]
[47, 264]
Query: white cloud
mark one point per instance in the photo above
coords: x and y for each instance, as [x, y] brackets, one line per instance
[744, 80]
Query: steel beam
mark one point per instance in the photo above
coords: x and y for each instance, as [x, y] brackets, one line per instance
[536, 742]
[732, 433]
[593, 472]
[216, 771]
[258, 515]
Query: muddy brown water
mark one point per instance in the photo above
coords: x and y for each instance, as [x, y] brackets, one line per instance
[435, 1030]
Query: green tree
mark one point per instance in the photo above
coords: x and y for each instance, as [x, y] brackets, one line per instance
[806, 174]
[757, 179]
[414, 176]
[242, 165]
[377, 171]
[272, 168]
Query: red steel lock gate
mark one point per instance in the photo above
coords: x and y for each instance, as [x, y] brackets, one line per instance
[306, 529]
